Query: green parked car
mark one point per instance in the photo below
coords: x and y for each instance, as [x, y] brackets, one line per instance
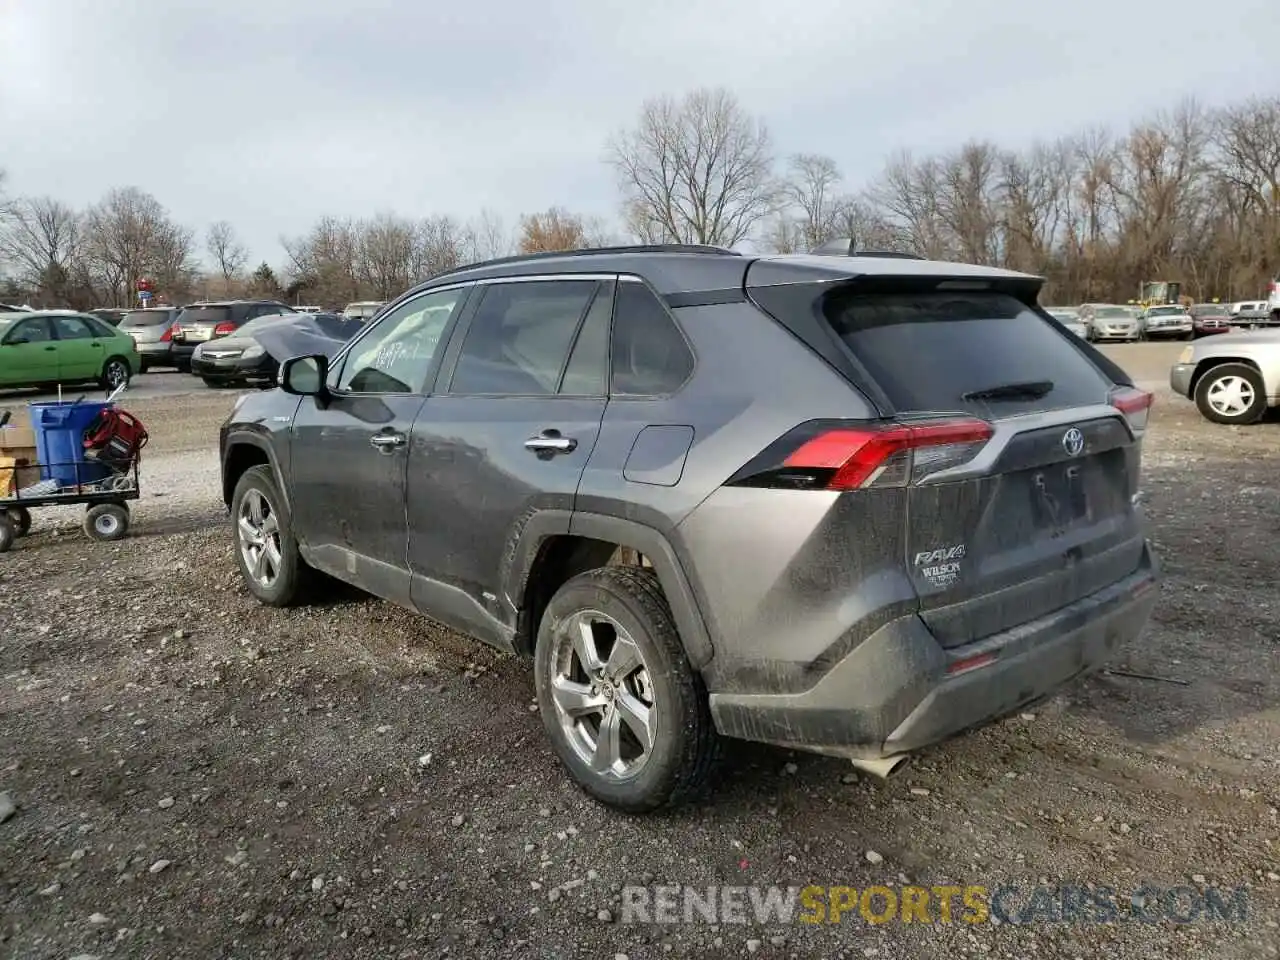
[59, 346]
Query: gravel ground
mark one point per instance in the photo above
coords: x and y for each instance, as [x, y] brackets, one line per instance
[193, 775]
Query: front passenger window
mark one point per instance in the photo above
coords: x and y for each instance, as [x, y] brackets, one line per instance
[397, 353]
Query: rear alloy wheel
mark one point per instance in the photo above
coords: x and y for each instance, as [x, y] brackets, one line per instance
[623, 708]
[266, 550]
[1231, 393]
[115, 373]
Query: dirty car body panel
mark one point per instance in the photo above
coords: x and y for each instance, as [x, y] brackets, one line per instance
[892, 500]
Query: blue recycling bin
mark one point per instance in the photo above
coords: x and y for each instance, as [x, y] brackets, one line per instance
[59, 430]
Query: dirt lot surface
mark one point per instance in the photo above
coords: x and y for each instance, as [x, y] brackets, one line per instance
[192, 775]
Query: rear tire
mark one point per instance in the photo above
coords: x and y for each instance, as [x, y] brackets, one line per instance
[644, 683]
[1232, 393]
[107, 522]
[261, 525]
[7, 533]
[115, 371]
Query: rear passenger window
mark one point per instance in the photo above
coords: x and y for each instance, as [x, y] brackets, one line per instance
[650, 355]
[519, 339]
[983, 352]
[587, 374]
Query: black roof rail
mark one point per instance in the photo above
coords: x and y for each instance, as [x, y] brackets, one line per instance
[843, 247]
[593, 251]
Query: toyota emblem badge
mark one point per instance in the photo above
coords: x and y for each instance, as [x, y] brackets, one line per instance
[1073, 442]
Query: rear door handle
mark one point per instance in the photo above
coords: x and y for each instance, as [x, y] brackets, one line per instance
[550, 442]
[386, 442]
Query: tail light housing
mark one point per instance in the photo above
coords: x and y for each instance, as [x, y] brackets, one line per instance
[845, 455]
[1135, 404]
[167, 335]
[224, 329]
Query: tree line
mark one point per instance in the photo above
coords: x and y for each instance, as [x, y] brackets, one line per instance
[1188, 194]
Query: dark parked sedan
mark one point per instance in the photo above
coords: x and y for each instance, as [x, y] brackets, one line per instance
[244, 357]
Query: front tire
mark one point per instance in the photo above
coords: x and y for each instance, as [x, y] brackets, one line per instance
[266, 550]
[1232, 393]
[624, 710]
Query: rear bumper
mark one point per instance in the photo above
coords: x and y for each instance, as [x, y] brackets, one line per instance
[182, 351]
[892, 694]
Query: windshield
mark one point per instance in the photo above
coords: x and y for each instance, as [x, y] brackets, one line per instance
[1113, 313]
[257, 323]
[145, 318]
[1207, 310]
[1164, 311]
[205, 315]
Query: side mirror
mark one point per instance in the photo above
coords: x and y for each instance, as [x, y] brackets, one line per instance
[304, 376]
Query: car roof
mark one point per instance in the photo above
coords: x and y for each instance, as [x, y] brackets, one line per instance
[684, 268]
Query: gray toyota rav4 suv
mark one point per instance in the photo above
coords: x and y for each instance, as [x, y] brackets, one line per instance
[850, 504]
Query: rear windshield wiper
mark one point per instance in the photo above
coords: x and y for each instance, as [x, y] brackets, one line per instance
[1030, 390]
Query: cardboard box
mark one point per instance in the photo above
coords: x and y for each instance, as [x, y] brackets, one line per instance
[18, 454]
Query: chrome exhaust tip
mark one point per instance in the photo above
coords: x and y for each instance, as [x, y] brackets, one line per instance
[881, 768]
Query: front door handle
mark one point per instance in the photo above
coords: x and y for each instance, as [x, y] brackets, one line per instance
[386, 442]
[550, 442]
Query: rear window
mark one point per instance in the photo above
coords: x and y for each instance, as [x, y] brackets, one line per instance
[145, 318]
[205, 315]
[986, 353]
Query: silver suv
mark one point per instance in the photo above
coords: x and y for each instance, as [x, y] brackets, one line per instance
[849, 504]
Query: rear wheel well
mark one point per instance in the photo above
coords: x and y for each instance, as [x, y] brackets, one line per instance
[240, 458]
[560, 559]
[1204, 366]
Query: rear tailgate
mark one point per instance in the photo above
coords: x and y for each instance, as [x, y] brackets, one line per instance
[1022, 467]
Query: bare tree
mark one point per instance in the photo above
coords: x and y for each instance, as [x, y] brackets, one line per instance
[387, 256]
[229, 255]
[552, 229]
[129, 235]
[489, 238]
[40, 239]
[810, 187]
[695, 170]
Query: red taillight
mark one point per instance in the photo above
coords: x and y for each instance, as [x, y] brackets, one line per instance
[1135, 404]
[849, 457]
[224, 329]
[167, 335]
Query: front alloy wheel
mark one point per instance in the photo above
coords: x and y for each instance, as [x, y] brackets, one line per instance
[265, 548]
[258, 529]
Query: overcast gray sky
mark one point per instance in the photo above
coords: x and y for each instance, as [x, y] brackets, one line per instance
[270, 113]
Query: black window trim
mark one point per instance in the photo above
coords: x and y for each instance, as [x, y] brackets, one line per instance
[447, 371]
[607, 288]
[433, 369]
[693, 354]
